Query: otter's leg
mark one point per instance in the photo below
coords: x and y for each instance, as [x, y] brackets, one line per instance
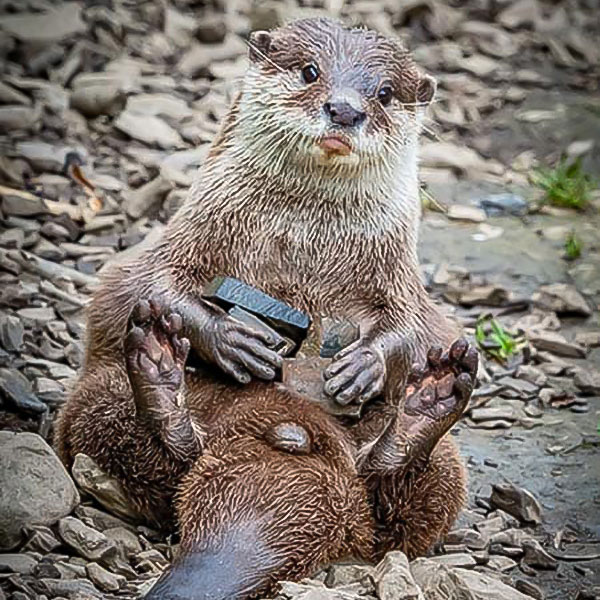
[128, 434]
[264, 511]
[414, 473]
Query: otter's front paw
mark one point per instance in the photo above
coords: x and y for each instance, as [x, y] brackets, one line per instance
[357, 374]
[240, 351]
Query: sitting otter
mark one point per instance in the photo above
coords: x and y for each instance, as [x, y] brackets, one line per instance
[310, 194]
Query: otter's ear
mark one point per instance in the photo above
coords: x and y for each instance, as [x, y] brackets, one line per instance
[259, 42]
[426, 89]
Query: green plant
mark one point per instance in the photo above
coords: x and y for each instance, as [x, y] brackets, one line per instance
[573, 246]
[566, 185]
[495, 341]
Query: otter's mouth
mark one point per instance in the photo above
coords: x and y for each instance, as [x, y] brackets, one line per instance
[335, 144]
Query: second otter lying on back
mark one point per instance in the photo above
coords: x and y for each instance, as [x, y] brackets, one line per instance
[309, 193]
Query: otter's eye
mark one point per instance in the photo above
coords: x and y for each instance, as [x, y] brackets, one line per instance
[310, 73]
[384, 95]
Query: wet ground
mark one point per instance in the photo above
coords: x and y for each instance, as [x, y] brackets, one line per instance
[558, 462]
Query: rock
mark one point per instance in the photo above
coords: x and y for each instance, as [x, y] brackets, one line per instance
[47, 27]
[9, 95]
[463, 212]
[495, 413]
[36, 489]
[211, 30]
[555, 343]
[501, 563]
[40, 539]
[588, 381]
[459, 158]
[520, 13]
[94, 100]
[86, 541]
[529, 589]
[341, 575]
[580, 147]
[199, 57]
[49, 251]
[484, 295]
[11, 333]
[148, 129]
[22, 563]
[13, 118]
[312, 590]
[106, 490]
[532, 374]
[46, 157]
[104, 579]
[536, 556]
[561, 298]
[37, 317]
[497, 204]
[126, 541]
[470, 537]
[588, 339]
[15, 389]
[75, 589]
[458, 559]
[522, 387]
[393, 579]
[438, 582]
[146, 198]
[517, 502]
[159, 105]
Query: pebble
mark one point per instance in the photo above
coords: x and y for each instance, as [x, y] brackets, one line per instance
[36, 488]
[86, 541]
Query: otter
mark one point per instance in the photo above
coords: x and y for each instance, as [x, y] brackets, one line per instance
[309, 193]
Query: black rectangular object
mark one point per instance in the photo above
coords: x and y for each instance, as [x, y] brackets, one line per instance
[228, 292]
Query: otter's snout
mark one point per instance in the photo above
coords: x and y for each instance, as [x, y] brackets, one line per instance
[342, 113]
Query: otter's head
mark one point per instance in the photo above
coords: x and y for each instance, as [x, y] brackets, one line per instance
[323, 96]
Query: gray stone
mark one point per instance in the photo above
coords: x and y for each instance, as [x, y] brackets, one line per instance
[553, 342]
[501, 563]
[11, 333]
[473, 539]
[126, 541]
[46, 27]
[105, 489]
[74, 589]
[588, 381]
[16, 390]
[46, 157]
[536, 556]
[146, 198]
[86, 541]
[13, 118]
[340, 575]
[394, 580]
[105, 580]
[149, 130]
[517, 502]
[36, 488]
[22, 563]
[211, 30]
[561, 298]
[40, 539]
[94, 100]
[439, 582]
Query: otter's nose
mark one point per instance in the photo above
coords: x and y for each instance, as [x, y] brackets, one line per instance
[341, 113]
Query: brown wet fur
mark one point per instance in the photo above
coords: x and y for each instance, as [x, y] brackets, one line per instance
[258, 467]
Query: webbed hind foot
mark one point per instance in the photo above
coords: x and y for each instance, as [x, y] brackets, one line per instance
[437, 395]
[155, 354]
